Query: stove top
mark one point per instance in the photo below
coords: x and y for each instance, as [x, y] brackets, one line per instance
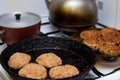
[104, 69]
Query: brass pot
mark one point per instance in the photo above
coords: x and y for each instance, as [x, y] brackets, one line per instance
[73, 14]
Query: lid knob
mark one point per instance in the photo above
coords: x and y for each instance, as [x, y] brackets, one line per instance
[17, 16]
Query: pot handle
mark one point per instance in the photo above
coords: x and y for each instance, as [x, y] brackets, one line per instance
[2, 31]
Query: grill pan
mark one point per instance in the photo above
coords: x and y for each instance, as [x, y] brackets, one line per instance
[70, 51]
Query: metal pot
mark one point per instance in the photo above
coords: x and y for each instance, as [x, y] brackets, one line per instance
[72, 13]
[17, 26]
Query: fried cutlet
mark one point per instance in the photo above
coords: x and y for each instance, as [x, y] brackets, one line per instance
[33, 71]
[49, 60]
[18, 60]
[64, 71]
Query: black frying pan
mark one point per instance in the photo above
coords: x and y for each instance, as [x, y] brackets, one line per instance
[71, 52]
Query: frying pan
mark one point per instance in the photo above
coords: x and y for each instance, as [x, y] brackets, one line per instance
[70, 51]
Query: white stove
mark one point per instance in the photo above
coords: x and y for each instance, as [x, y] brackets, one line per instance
[101, 65]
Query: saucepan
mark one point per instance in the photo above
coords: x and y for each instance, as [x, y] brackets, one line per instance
[70, 51]
[16, 26]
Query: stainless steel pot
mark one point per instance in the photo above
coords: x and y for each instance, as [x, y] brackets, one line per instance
[72, 13]
[17, 26]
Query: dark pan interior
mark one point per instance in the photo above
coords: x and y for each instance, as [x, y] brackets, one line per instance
[69, 51]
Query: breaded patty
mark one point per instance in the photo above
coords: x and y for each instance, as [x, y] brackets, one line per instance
[18, 60]
[110, 49]
[33, 71]
[118, 38]
[110, 39]
[95, 44]
[49, 60]
[90, 34]
[65, 71]
[106, 40]
[109, 31]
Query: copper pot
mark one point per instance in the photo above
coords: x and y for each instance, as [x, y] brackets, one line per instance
[72, 14]
[17, 26]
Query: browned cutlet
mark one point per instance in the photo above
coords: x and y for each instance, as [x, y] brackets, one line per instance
[49, 60]
[110, 49]
[95, 44]
[33, 71]
[90, 34]
[18, 60]
[65, 71]
[109, 31]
